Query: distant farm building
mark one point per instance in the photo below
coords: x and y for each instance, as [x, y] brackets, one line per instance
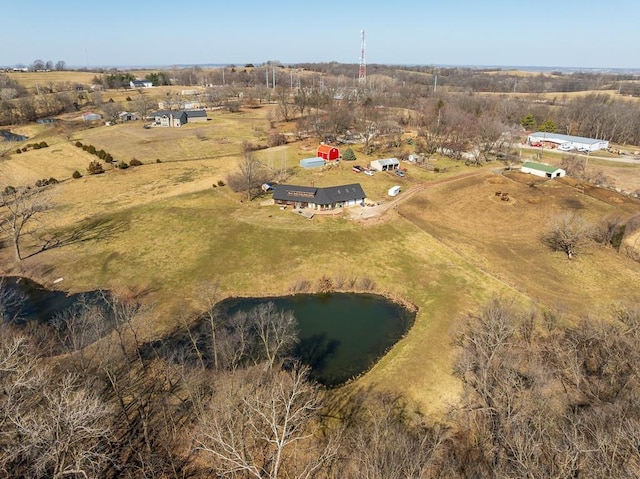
[91, 116]
[542, 170]
[319, 198]
[328, 153]
[312, 162]
[386, 164]
[127, 116]
[572, 142]
[140, 84]
[171, 118]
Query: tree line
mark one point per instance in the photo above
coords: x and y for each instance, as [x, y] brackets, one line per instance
[85, 396]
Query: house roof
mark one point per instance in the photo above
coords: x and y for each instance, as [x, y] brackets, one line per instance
[558, 138]
[141, 82]
[319, 196]
[388, 161]
[540, 167]
[326, 148]
[196, 113]
[175, 113]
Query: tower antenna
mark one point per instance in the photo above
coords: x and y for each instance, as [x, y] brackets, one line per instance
[362, 72]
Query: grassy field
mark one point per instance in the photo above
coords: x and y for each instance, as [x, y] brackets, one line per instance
[162, 228]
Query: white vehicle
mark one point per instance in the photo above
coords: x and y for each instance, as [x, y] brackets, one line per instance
[565, 147]
[368, 172]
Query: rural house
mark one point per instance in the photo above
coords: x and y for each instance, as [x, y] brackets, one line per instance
[176, 118]
[140, 83]
[542, 170]
[386, 164]
[319, 198]
[328, 153]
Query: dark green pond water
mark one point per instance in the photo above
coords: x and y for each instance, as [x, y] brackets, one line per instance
[341, 334]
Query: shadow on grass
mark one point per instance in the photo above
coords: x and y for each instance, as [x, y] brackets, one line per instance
[91, 230]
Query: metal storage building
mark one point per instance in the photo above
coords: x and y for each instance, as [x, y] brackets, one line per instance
[312, 162]
[386, 164]
[576, 142]
[542, 170]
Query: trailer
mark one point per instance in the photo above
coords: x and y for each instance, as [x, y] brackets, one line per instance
[394, 190]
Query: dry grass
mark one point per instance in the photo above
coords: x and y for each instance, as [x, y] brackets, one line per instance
[163, 228]
[30, 79]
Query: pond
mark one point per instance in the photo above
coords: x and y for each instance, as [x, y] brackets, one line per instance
[8, 136]
[341, 335]
[32, 301]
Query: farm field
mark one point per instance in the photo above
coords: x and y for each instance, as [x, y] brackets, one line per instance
[163, 229]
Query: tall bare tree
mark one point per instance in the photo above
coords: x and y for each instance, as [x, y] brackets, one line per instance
[569, 233]
[19, 207]
[258, 425]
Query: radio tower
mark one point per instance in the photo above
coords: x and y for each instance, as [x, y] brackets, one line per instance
[362, 72]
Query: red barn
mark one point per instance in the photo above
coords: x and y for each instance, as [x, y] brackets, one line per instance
[329, 153]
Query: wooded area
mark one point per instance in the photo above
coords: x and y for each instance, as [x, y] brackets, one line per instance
[84, 397]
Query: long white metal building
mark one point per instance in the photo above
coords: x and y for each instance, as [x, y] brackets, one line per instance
[574, 142]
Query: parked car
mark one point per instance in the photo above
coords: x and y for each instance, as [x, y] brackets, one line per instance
[584, 150]
[400, 173]
[537, 144]
[357, 169]
[565, 147]
[368, 172]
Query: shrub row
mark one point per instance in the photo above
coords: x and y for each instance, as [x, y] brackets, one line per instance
[34, 146]
[45, 182]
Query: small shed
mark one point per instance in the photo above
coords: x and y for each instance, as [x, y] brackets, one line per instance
[386, 164]
[328, 153]
[312, 162]
[542, 170]
[394, 191]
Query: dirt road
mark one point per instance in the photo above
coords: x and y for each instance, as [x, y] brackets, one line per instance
[366, 212]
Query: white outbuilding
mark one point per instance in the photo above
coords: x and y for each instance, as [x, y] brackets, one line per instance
[386, 164]
[542, 170]
[570, 142]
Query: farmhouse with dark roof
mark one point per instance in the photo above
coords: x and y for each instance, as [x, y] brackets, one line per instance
[319, 198]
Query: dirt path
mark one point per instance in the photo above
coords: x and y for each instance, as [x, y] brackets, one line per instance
[367, 212]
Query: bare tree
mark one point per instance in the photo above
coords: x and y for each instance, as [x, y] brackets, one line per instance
[569, 233]
[143, 104]
[277, 330]
[250, 176]
[258, 425]
[19, 207]
[66, 434]
[10, 302]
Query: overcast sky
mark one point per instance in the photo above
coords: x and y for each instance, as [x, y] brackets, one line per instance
[563, 33]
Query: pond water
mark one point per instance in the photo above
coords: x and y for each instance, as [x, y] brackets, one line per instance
[8, 136]
[32, 301]
[341, 334]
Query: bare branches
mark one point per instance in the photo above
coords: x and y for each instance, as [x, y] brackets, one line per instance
[255, 422]
[18, 207]
[569, 233]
